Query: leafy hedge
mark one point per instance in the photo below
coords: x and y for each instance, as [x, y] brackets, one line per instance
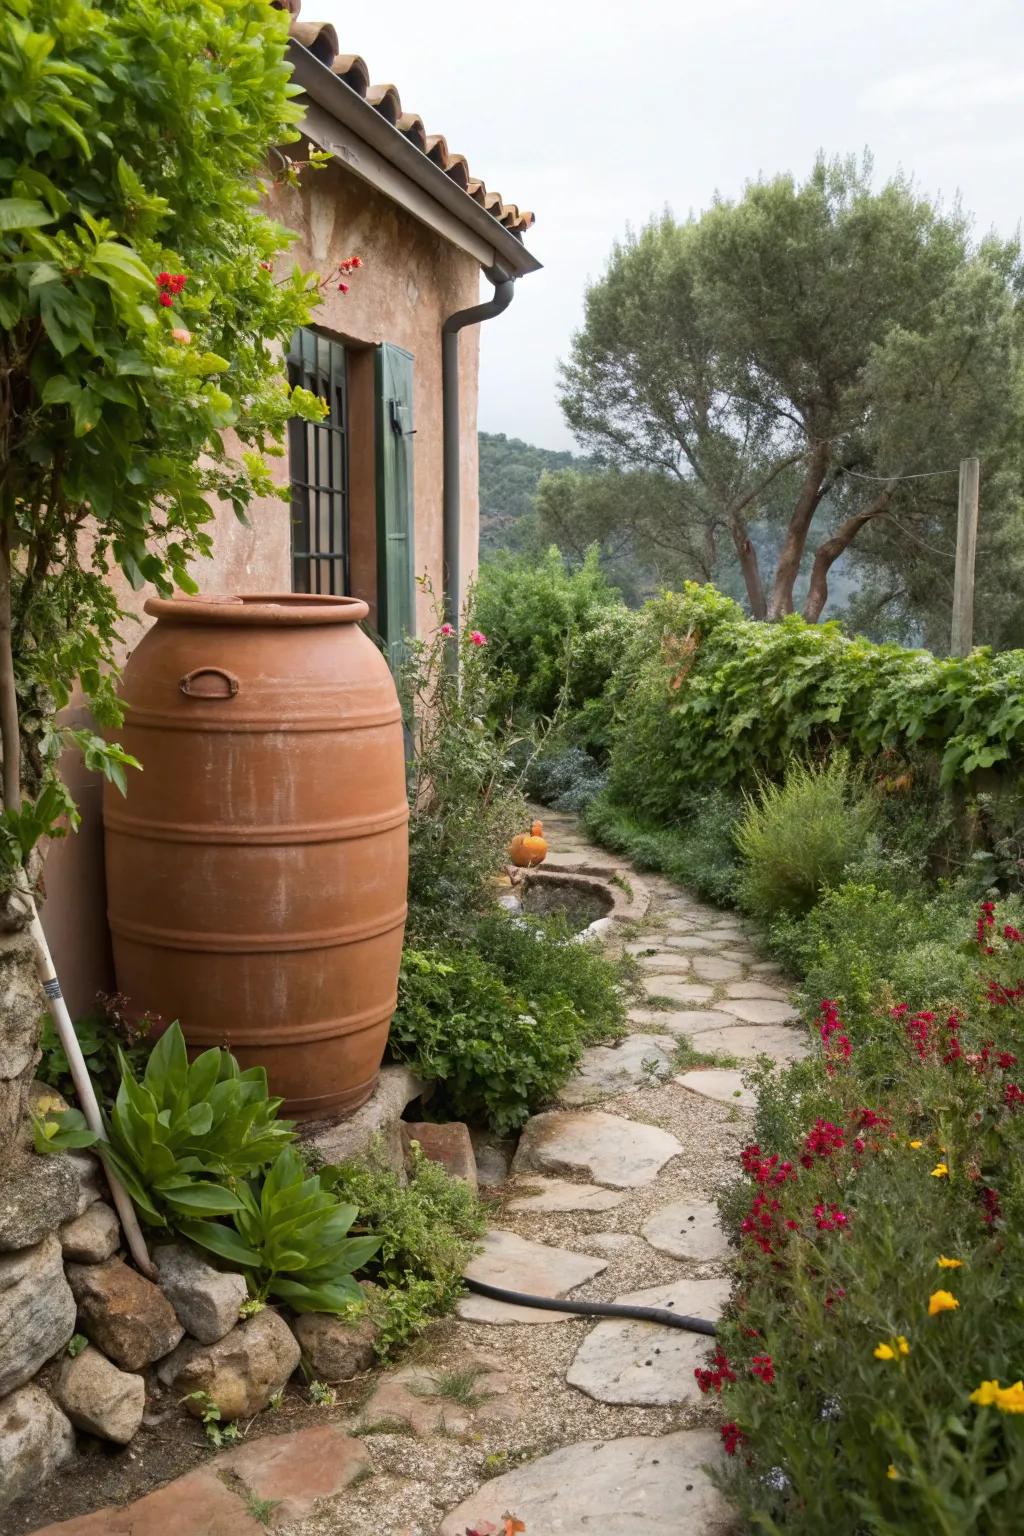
[707, 696]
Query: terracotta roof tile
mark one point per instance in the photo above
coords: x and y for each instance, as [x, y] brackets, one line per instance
[322, 41]
[352, 69]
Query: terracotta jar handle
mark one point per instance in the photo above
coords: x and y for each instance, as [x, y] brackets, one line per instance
[191, 686]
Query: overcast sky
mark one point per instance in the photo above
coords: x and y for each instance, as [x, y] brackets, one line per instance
[597, 115]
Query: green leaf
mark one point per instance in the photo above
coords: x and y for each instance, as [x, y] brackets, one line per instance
[23, 213]
[221, 1240]
[200, 1200]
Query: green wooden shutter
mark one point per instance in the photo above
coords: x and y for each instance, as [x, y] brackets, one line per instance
[396, 611]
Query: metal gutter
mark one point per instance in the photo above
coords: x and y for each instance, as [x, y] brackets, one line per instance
[365, 123]
[504, 291]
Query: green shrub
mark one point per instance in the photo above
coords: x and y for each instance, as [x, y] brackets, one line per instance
[872, 1194]
[464, 798]
[290, 1237]
[494, 1052]
[566, 778]
[863, 945]
[427, 1230]
[537, 615]
[702, 696]
[544, 959]
[700, 853]
[796, 838]
[183, 1135]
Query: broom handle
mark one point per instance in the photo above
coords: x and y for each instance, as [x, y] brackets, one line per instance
[47, 973]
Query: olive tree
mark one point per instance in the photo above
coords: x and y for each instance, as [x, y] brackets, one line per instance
[140, 332]
[794, 357]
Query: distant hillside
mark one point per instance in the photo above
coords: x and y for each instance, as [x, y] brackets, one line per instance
[509, 472]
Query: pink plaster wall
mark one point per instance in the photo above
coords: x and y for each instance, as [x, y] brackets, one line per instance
[411, 280]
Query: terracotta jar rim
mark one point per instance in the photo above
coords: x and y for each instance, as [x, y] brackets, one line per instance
[280, 609]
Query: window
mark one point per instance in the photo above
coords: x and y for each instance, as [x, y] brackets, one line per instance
[318, 462]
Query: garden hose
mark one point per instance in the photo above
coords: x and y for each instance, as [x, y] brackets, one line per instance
[593, 1308]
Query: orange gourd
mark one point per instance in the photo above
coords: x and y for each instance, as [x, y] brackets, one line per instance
[529, 849]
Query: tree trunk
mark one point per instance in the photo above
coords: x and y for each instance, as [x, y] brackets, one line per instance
[747, 556]
[745, 551]
[796, 534]
[828, 553]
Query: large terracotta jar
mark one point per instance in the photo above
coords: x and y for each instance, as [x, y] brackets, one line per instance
[257, 869]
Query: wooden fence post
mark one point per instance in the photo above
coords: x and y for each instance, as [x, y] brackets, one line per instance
[966, 544]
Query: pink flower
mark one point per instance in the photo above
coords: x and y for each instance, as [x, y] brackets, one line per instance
[476, 638]
[447, 630]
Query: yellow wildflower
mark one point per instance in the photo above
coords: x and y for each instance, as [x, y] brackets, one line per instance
[917, 1145]
[1006, 1399]
[899, 1346]
[945, 1263]
[941, 1301]
[940, 1171]
[892, 1472]
[1011, 1399]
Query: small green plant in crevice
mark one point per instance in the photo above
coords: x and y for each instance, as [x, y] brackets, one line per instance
[260, 1509]
[388, 1425]
[623, 882]
[75, 1345]
[217, 1432]
[685, 1057]
[276, 1402]
[459, 1385]
[321, 1394]
[656, 1070]
[251, 1306]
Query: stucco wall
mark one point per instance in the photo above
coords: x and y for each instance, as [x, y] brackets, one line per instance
[410, 281]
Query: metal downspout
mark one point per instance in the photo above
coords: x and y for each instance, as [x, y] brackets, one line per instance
[504, 288]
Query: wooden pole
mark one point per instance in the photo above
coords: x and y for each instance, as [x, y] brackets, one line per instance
[966, 545]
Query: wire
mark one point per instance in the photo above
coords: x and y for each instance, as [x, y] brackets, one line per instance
[928, 474]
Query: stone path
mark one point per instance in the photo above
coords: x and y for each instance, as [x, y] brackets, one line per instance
[570, 1424]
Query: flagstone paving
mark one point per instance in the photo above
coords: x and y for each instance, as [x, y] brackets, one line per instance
[585, 1425]
[624, 1360]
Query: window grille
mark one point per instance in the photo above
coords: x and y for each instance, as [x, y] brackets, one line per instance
[318, 465]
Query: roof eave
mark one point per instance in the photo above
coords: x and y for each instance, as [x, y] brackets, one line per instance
[348, 108]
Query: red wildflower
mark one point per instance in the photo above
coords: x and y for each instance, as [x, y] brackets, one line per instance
[1013, 1095]
[1013, 934]
[821, 1141]
[833, 1036]
[992, 1211]
[166, 300]
[1006, 1060]
[763, 1367]
[732, 1437]
[711, 1378]
[830, 1219]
